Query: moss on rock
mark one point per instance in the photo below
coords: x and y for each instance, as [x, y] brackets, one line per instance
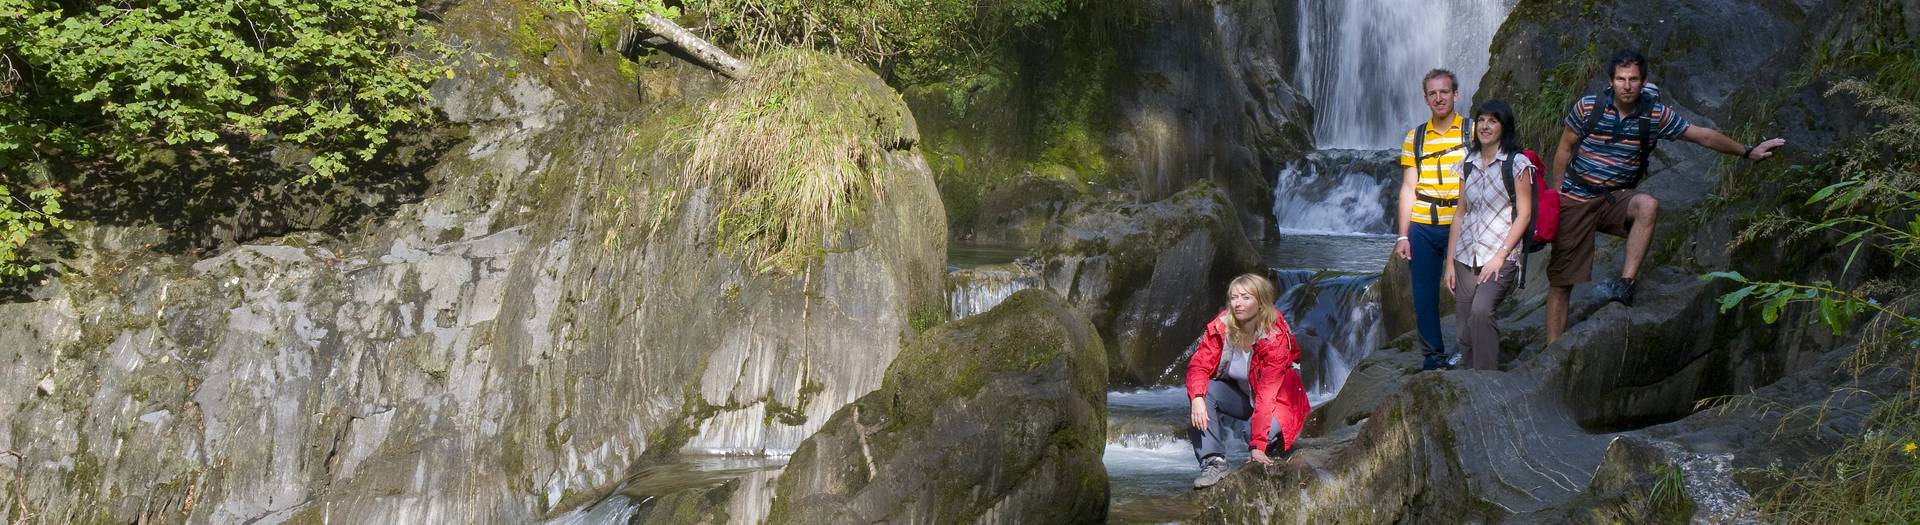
[997, 416]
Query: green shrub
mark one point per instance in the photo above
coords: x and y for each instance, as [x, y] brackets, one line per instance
[920, 40]
[90, 86]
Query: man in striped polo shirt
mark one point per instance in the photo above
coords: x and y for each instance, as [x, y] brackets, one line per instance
[1429, 190]
[1608, 156]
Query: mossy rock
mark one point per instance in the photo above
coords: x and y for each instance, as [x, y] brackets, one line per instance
[996, 417]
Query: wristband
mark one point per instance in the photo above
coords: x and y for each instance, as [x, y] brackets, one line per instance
[1749, 154]
[1402, 238]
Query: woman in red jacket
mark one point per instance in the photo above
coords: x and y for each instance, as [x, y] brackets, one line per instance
[1244, 372]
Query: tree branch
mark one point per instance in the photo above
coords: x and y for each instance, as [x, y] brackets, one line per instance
[702, 51]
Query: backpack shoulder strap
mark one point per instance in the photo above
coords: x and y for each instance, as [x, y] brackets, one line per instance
[1506, 177]
[1594, 113]
[1647, 139]
[1419, 141]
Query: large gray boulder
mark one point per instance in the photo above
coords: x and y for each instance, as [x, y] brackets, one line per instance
[509, 344]
[996, 418]
[1149, 275]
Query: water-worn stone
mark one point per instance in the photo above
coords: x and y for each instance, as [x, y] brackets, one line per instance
[1151, 275]
[506, 346]
[996, 418]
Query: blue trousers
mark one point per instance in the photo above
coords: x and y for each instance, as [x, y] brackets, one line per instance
[1429, 246]
[1228, 412]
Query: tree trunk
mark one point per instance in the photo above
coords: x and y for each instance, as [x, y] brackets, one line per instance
[702, 51]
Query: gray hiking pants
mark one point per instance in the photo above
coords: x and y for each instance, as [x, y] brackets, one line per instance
[1228, 412]
[1474, 305]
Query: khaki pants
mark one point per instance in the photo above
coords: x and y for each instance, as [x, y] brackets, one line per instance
[1474, 305]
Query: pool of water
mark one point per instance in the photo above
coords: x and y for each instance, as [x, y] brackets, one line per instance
[1340, 252]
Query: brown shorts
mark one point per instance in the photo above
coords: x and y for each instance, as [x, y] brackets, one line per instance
[1572, 259]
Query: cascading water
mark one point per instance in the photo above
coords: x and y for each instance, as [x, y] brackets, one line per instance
[974, 290]
[1361, 62]
[1336, 321]
[1336, 191]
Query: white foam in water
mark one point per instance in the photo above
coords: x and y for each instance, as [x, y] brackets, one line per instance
[1351, 206]
[614, 509]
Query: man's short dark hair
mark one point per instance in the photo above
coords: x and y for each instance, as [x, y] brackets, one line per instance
[1624, 58]
[1436, 74]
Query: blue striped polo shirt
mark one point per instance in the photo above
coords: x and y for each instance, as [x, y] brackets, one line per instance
[1609, 158]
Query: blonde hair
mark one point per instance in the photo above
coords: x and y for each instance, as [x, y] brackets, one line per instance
[1263, 293]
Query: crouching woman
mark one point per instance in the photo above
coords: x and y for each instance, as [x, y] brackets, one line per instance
[1242, 375]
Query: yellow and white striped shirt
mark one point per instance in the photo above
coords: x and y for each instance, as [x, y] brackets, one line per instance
[1439, 178]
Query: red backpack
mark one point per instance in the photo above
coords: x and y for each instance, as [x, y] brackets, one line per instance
[1545, 224]
[1546, 205]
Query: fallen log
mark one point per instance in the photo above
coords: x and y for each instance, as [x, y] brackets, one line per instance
[703, 52]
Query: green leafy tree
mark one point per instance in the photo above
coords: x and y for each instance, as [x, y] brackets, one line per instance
[93, 85]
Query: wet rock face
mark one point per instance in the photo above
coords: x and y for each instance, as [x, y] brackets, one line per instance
[1149, 275]
[1208, 98]
[1143, 99]
[996, 418]
[507, 345]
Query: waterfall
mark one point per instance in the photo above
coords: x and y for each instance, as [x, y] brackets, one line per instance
[1336, 321]
[971, 291]
[1361, 61]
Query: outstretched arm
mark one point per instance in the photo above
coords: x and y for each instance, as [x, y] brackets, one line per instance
[1715, 140]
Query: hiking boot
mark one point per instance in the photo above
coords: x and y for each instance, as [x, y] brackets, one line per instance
[1624, 293]
[1452, 362]
[1212, 470]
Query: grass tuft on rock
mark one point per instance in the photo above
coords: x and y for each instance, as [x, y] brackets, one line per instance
[791, 154]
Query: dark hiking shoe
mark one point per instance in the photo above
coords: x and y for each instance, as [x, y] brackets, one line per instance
[1212, 470]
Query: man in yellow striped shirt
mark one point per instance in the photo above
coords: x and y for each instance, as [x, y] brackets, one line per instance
[1429, 191]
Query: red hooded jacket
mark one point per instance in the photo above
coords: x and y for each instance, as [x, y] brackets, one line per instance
[1278, 391]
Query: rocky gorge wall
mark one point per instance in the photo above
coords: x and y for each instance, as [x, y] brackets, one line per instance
[507, 345]
[1124, 147]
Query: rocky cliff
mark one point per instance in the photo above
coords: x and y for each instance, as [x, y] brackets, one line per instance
[508, 344]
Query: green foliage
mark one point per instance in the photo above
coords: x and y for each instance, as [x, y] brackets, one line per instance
[20, 220]
[1874, 477]
[606, 17]
[919, 40]
[115, 77]
[93, 86]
